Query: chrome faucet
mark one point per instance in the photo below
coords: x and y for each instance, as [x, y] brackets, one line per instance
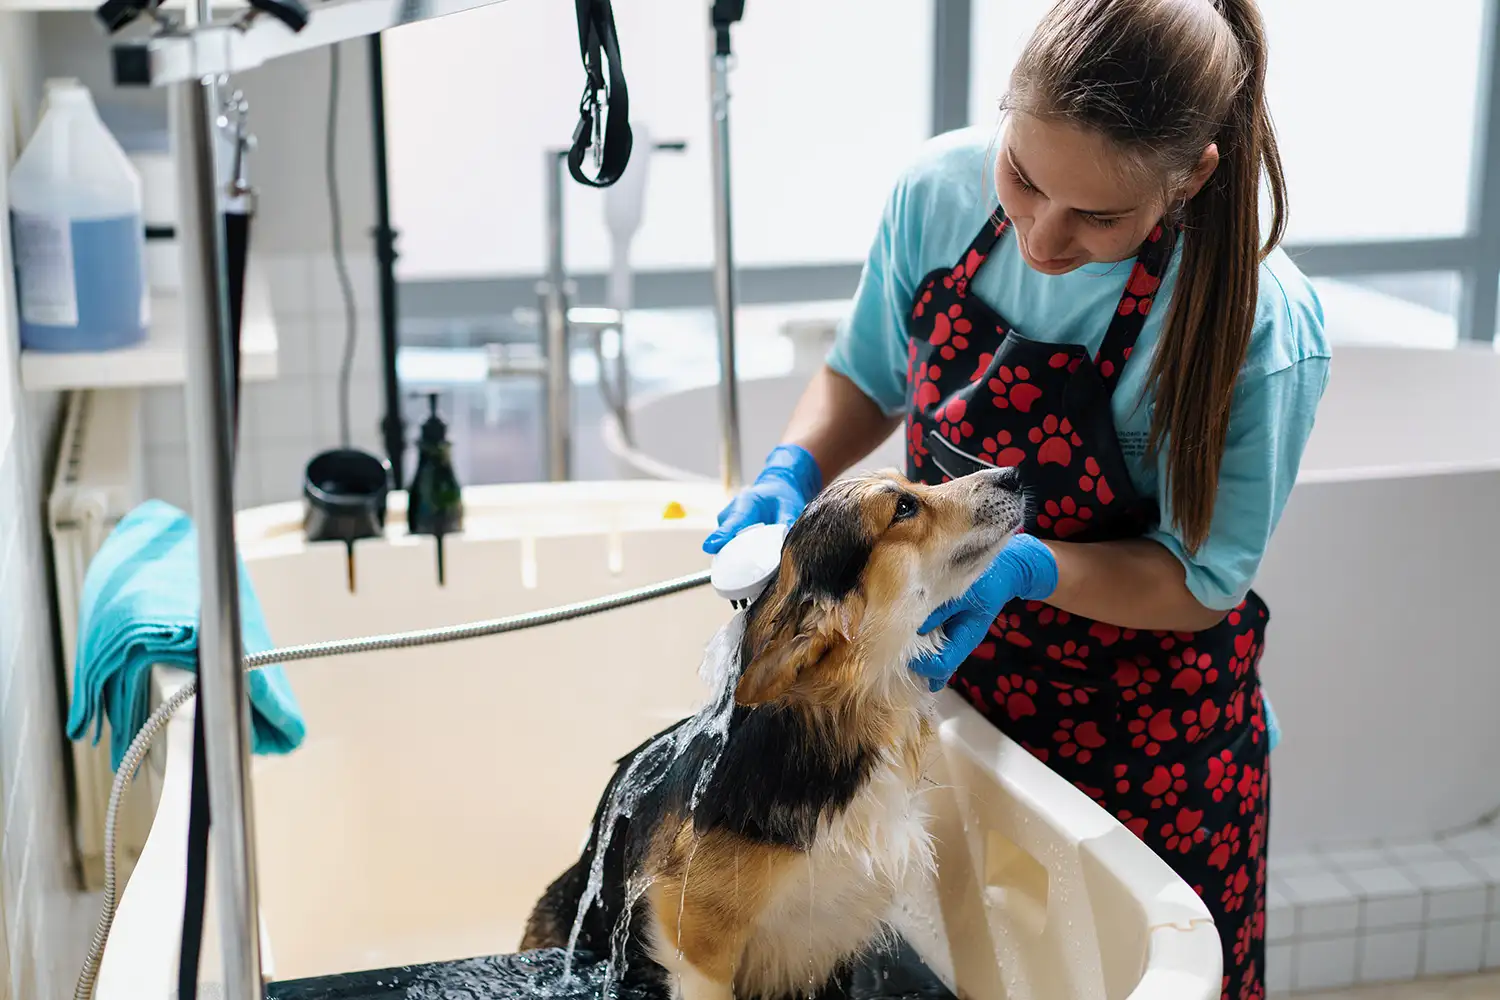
[557, 321]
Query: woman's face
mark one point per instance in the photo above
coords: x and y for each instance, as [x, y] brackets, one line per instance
[1073, 197]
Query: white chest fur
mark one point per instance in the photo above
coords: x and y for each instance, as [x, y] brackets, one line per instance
[835, 902]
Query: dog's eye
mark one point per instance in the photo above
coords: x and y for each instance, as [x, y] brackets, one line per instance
[906, 507]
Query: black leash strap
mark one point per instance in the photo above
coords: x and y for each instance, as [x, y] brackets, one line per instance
[237, 251]
[604, 110]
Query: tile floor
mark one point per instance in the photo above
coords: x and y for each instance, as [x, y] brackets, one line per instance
[1485, 987]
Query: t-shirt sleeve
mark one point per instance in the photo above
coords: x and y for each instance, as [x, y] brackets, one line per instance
[1270, 421]
[870, 345]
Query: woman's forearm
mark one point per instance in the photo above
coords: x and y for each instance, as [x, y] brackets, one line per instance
[1134, 583]
[837, 423]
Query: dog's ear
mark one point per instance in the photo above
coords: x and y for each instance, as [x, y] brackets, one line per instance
[784, 656]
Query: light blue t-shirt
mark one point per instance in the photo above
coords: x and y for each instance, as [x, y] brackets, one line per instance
[933, 214]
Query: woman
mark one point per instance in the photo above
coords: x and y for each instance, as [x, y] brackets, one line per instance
[1118, 330]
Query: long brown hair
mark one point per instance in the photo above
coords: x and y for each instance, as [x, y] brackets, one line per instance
[1163, 79]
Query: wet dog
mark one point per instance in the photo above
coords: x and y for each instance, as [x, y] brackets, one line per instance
[769, 876]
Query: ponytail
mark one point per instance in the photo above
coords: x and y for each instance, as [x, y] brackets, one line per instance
[1211, 315]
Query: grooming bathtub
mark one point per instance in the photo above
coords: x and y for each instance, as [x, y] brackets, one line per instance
[441, 788]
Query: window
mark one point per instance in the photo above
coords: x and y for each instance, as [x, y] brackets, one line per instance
[1374, 103]
[828, 102]
[1417, 309]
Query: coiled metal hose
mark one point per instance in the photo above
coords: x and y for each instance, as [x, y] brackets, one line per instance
[136, 752]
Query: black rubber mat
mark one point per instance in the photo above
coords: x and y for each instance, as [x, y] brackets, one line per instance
[891, 974]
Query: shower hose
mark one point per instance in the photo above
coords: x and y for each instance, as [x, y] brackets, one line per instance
[136, 752]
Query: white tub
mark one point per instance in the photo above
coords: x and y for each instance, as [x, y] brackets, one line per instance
[1383, 581]
[441, 789]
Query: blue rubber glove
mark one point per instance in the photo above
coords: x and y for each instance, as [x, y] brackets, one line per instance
[790, 479]
[1025, 568]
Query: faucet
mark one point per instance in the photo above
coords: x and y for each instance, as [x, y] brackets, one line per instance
[557, 322]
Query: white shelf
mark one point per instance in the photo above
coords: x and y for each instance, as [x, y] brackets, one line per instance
[161, 359]
[223, 48]
[59, 6]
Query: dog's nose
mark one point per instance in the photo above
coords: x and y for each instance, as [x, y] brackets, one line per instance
[1008, 479]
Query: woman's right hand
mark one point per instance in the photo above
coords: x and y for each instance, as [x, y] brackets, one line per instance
[790, 479]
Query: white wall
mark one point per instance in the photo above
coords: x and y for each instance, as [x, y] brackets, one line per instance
[37, 856]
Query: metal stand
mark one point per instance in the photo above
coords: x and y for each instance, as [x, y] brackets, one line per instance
[221, 698]
[393, 427]
[723, 15]
[554, 302]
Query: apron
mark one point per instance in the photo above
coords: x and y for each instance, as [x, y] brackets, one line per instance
[1165, 730]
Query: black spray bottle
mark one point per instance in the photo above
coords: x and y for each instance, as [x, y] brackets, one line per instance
[434, 501]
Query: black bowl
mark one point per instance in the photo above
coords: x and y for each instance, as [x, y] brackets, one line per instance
[344, 494]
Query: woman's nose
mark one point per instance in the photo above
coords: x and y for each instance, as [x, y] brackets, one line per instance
[1048, 239]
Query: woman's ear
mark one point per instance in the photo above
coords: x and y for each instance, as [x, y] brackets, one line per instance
[1207, 164]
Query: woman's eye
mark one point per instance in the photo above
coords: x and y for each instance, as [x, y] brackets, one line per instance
[906, 507]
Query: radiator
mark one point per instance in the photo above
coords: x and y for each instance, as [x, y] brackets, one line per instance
[100, 477]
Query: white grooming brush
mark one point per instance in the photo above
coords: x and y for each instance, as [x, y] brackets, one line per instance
[748, 563]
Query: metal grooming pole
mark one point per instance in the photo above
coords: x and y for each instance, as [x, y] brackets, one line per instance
[221, 684]
[722, 16]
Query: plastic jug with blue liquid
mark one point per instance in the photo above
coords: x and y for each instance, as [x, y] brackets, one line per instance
[76, 232]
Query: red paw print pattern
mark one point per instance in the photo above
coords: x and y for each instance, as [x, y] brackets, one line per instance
[1166, 785]
[1246, 653]
[1092, 481]
[1078, 740]
[958, 278]
[1065, 518]
[1069, 654]
[1222, 771]
[1062, 359]
[1108, 635]
[950, 332]
[925, 378]
[1139, 291]
[916, 445]
[1192, 670]
[1186, 831]
[1135, 824]
[1046, 614]
[1233, 897]
[951, 422]
[1055, 440]
[1008, 627]
[1069, 695]
[981, 366]
[1152, 729]
[1012, 388]
[1226, 844]
[1016, 695]
[999, 450]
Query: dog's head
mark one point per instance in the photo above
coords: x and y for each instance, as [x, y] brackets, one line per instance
[869, 559]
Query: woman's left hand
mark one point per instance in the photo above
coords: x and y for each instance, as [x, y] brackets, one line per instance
[1025, 568]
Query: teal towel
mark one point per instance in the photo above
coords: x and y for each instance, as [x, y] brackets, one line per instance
[140, 608]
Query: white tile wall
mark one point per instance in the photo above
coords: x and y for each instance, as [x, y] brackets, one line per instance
[286, 421]
[1368, 913]
[35, 849]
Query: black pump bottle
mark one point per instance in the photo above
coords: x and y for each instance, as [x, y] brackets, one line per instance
[434, 500]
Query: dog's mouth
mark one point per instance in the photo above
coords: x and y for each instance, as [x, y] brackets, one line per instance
[981, 546]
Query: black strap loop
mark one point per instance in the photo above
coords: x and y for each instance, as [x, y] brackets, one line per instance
[600, 48]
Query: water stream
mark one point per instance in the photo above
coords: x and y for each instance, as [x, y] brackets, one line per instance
[719, 671]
